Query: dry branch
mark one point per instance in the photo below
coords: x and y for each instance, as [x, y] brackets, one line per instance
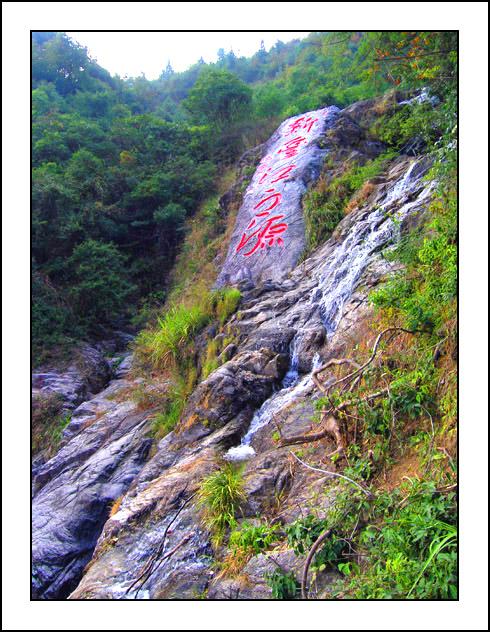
[355, 378]
[336, 474]
[321, 538]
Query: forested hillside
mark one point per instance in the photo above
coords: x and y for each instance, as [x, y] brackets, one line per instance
[120, 165]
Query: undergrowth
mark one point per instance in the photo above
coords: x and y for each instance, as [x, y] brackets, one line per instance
[327, 202]
[48, 423]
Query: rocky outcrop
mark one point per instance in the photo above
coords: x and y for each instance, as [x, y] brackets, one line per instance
[269, 234]
[154, 546]
[87, 374]
[106, 445]
[318, 309]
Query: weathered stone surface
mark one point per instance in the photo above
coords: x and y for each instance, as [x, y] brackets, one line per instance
[87, 374]
[143, 518]
[237, 387]
[74, 490]
[269, 234]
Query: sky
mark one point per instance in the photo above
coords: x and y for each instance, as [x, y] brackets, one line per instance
[132, 53]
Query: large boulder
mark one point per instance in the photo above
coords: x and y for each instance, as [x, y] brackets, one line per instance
[269, 234]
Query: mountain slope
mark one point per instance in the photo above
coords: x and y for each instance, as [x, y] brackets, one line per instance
[253, 393]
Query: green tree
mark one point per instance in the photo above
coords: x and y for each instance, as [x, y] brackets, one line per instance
[100, 287]
[219, 98]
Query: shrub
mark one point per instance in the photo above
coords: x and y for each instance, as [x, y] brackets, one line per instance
[52, 322]
[253, 538]
[283, 585]
[412, 552]
[99, 282]
[423, 293]
[326, 204]
[302, 533]
[409, 121]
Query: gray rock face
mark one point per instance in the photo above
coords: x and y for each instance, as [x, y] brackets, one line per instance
[269, 234]
[105, 447]
[309, 316]
[86, 375]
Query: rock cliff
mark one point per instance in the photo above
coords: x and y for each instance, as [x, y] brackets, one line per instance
[292, 316]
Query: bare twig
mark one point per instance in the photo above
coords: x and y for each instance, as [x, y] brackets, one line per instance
[354, 376]
[361, 368]
[336, 474]
[451, 461]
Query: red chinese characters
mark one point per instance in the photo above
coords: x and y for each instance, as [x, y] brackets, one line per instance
[266, 229]
[304, 123]
[266, 234]
[278, 174]
[291, 147]
[274, 200]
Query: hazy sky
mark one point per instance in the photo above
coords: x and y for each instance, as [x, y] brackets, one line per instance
[133, 53]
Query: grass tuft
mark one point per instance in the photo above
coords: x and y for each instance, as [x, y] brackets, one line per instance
[221, 496]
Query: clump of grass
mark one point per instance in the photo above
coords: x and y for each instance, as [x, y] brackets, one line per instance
[211, 362]
[326, 204]
[221, 496]
[166, 420]
[164, 344]
[169, 347]
[249, 540]
[253, 538]
[226, 301]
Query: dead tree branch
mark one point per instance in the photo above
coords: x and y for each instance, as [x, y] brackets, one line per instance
[307, 438]
[328, 422]
[335, 474]
[316, 545]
